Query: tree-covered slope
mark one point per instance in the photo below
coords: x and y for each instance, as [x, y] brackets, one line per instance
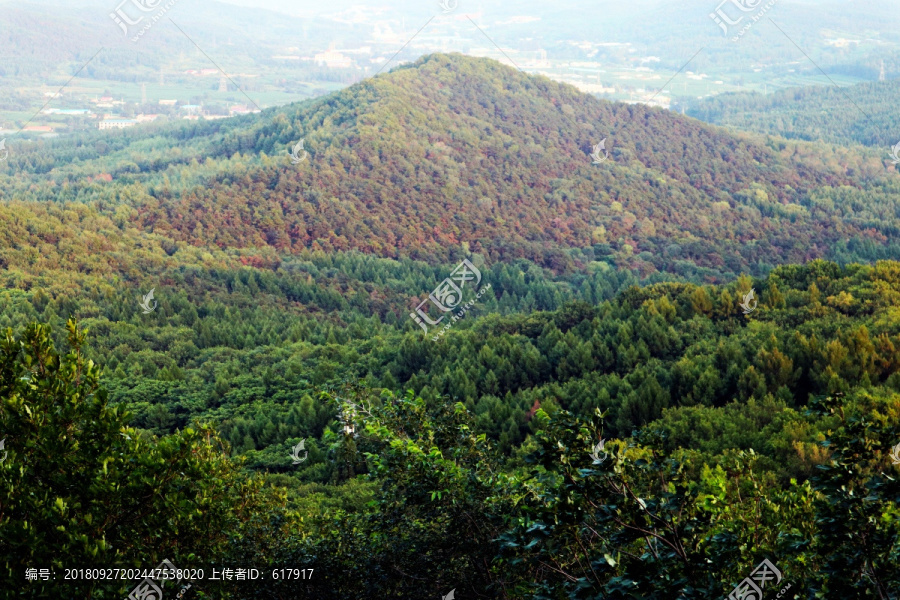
[863, 114]
[730, 439]
[453, 150]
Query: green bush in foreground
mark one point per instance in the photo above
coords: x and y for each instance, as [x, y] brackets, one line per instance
[446, 508]
[80, 489]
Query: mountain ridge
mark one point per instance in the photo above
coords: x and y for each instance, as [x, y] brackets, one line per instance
[395, 135]
[452, 152]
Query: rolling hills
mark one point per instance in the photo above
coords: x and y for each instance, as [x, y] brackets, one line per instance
[282, 295]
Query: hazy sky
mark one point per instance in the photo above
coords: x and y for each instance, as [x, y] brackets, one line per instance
[313, 7]
[317, 7]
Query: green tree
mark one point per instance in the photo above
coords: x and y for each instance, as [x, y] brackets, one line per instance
[81, 488]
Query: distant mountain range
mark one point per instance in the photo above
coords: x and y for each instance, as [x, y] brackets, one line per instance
[45, 42]
[38, 40]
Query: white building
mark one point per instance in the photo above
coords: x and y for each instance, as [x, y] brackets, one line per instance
[116, 123]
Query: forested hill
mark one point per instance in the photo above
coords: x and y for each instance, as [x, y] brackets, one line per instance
[239, 304]
[454, 154]
[862, 114]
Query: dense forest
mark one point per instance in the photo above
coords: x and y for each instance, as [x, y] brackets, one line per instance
[729, 438]
[454, 150]
[646, 398]
[862, 114]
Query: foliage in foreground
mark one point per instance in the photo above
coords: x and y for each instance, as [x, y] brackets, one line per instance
[81, 489]
[641, 523]
[450, 508]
